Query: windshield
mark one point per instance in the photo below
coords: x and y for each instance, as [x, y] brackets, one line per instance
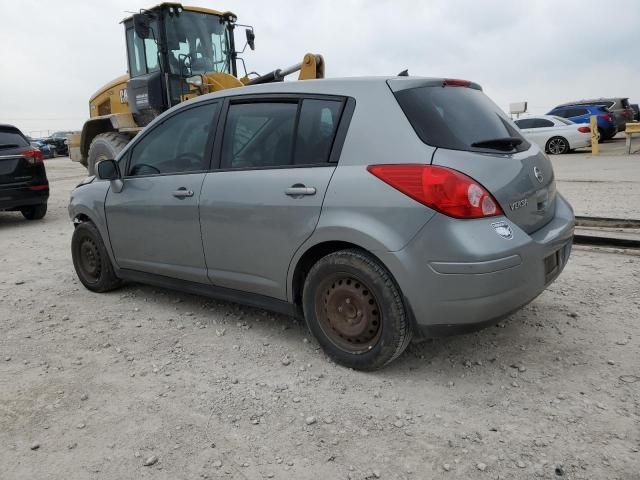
[199, 40]
[459, 118]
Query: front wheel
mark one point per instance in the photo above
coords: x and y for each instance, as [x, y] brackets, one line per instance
[105, 146]
[355, 310]
[557, 146]
[90, 259]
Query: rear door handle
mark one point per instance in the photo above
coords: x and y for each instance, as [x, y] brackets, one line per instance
[299, 190]
[182, 192]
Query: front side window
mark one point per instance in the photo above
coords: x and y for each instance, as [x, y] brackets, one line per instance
[143, 54]
[524, 123]
[542, 123]
[177, 145]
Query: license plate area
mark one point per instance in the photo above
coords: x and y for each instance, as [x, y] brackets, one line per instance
[551, 266]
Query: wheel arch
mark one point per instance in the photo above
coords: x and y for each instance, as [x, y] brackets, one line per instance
[306, 259]
[91, 129]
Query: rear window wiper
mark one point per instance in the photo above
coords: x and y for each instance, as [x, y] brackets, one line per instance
[505, 143]
[9, 145]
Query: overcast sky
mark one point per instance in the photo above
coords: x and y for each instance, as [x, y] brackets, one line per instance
[54, 55]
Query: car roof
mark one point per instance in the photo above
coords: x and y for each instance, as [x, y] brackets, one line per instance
[593, 101]
[586, 105]
[349, 86]
[548, 117]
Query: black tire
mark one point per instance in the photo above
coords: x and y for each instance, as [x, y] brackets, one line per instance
[557, 146]
[34, 212]
[105, 146]
[90, 259]
[377, 320]
[601, 135]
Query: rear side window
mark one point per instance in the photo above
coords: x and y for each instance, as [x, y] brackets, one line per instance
[259, 135]
[316, 130]
[457, 118]
[625, 103]
[12, 138]
[277, 134]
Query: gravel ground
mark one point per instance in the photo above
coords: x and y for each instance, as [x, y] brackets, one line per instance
[149, 383]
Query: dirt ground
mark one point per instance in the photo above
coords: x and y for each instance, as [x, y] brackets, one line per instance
[96, 386]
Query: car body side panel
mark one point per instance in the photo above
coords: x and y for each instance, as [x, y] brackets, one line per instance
[251, 228]
[153, 231]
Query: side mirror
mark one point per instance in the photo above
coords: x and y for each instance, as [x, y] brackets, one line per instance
[251, 38]
[141, 25]
[108, 170]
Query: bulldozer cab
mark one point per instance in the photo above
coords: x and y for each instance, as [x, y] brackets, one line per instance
[170, 49]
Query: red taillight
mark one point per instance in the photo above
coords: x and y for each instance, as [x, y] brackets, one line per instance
[455, 82]
[606, 116]
[39, 187]
[447, 191]
[584, 129]
[33, 156]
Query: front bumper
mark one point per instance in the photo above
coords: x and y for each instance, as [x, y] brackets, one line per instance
[460, 274]
[14, 198]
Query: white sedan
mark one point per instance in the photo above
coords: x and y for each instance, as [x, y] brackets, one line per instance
[554, 134]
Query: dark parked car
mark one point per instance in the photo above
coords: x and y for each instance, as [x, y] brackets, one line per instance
[582, 114]
[59, 141]
[23, 180]
[619, 106]
[48, 150]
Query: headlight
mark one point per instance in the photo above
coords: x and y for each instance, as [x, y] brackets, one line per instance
[195, 80]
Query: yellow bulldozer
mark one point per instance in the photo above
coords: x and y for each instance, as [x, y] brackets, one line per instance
[174, 53]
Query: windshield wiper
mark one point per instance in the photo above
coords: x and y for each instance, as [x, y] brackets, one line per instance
[505, 143]
[9, 145]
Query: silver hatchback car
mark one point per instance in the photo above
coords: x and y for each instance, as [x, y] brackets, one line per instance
[379, 209]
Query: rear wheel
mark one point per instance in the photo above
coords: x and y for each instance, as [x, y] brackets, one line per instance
[90, 259]
[34, 212]
[601, 135]
[355, 310]
[557, 145]
[105, 146]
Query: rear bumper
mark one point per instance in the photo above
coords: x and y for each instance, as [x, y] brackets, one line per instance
[460, 274]
[13, 198]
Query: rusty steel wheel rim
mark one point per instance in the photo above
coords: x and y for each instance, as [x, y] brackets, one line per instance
[90, 259]
[348, 313]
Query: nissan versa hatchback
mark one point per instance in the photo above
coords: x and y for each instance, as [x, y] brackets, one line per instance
[379, 209]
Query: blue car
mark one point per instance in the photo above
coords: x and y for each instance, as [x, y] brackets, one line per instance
[48, 151]
[582, 113]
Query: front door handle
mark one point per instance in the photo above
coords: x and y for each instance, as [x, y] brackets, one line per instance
[299, 190]
[182, 192]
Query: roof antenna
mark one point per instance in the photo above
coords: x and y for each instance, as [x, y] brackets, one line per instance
[404, 73]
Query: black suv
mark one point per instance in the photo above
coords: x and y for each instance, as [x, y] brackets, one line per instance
[23, 180]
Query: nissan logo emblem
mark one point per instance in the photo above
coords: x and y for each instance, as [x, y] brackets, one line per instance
[538, 173]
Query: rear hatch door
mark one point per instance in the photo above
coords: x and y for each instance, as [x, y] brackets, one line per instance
[14, 168]
[474, 136]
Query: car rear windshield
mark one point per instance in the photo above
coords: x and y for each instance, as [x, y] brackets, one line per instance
[459, 118]
[11, 138]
